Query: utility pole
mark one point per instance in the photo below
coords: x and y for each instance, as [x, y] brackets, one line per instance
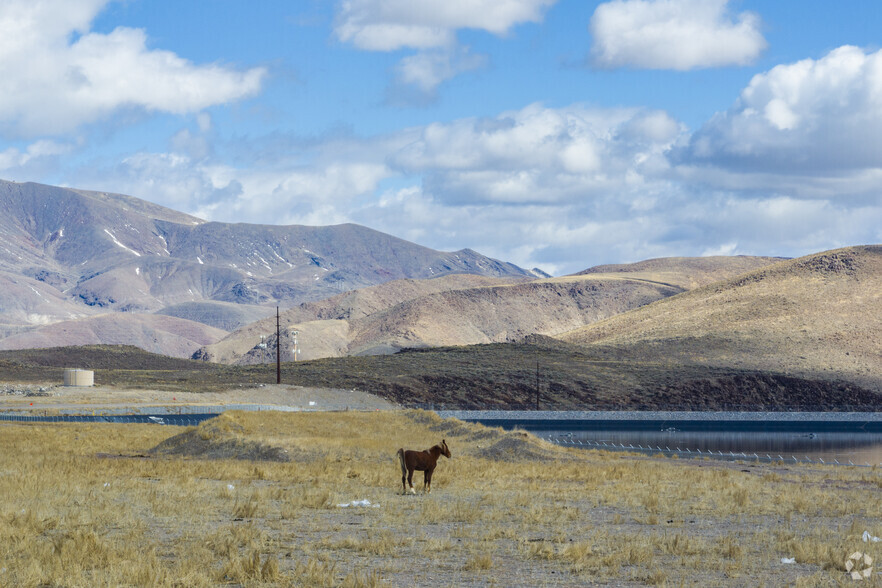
[278, 349]
[537, 384]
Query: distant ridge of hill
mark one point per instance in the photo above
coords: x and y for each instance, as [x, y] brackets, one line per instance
[687, 272]
[463, 310]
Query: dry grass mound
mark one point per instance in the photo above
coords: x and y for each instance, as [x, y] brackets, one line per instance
[519, 446]
[285, 437]
[492, 443]
[219, 438]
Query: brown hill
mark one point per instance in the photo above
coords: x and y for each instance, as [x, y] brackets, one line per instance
[462, 310]
[325, 324]
[166, 335]
[816, 317]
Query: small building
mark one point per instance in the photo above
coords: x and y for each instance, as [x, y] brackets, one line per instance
[78, 377]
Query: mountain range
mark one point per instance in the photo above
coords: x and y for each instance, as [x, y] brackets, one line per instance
[73, 257]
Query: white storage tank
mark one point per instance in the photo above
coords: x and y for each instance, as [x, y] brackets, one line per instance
[78, 377]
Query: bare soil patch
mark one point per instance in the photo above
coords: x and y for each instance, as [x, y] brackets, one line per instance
[103, 398]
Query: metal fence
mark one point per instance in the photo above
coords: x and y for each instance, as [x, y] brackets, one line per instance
[665, 408]
[190, 420]
[184, 415]
[698, 453]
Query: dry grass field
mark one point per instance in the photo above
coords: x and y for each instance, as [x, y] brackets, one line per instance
[253, 499]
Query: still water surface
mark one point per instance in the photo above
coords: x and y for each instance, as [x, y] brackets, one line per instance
[859, 448]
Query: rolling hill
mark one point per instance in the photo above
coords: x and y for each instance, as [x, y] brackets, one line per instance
[465, 310]
[155, 333]
[817, 317]
[687, 273]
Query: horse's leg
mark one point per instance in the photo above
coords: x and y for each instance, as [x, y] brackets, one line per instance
[403, 471]
[429, 480]
[410, 480]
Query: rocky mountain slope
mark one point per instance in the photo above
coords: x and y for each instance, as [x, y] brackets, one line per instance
[71, 254]
[463, 310]
[817, 317]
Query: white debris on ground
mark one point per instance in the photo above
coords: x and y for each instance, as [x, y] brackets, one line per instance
[11, 390]
[364, 503]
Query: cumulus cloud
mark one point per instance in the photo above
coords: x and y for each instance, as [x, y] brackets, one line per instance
[430, 27]
[561, 188]
[673, 34]
[16, 159]
[387, 25]
[58, 75]
[540, 154]
[427, 69]
[816, 118]
[282, 180]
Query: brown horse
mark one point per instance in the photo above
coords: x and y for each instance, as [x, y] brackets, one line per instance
[423, 461]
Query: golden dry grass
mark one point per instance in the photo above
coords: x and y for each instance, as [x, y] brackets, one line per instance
[816, 317]
[84, 506]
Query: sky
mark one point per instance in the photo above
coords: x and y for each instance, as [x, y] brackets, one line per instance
[557, 134]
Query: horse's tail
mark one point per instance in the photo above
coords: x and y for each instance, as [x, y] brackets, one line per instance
[401, 462]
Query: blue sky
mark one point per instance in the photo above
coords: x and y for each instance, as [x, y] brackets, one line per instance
[549, 133]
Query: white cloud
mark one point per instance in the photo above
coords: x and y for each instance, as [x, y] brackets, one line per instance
[427, 69]
[40, 159]
[673, 34]
[286, 182]
[813, 122]
[540, 154]
[57, 75]
[12, 157]
[430, 27]
[556, 188]
[387, 25]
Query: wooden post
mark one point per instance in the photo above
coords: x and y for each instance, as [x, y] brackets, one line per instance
[537, 384]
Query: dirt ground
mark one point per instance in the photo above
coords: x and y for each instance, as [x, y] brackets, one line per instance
[99, 398]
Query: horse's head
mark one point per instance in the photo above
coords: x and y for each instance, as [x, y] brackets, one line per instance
[445, 451]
